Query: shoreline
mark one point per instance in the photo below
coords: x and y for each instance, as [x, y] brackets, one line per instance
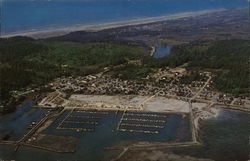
[55, 31]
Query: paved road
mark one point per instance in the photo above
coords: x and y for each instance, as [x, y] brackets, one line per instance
[193, 128]
[198, 93]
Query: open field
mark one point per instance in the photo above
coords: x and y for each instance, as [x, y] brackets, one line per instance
[162, 104]
[122, 102]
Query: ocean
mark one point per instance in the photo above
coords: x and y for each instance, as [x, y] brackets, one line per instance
[31, 15]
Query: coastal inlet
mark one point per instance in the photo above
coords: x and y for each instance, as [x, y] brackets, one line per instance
[161, 50]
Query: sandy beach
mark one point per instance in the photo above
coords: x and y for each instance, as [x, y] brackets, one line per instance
[55, 31]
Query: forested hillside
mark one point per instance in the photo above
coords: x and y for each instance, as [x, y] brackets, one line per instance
[228, 59]
[28, 63]
[25, 62]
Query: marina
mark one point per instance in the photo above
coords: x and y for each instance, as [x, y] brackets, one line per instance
[133, 128]
[124, 80]
[78, 124]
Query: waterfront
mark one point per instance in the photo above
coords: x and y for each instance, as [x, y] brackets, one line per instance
[100, 113]
[13, 126]
[224, 138]
[91, 146]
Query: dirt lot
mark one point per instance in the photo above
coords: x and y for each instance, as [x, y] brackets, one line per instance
[128, 102]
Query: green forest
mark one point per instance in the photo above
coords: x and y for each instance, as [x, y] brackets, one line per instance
[26, 63]
[30, 63]
[227, 59]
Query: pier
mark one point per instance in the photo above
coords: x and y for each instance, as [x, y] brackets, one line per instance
[144, 120]
[82, 122]
[76, 129]
[33, 130]
[147, 115]
[138, 131]
[142, 125]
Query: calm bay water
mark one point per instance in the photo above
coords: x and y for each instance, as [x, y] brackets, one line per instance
[91, 144]
[15, 125]
[28, 15]
[225, 138]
